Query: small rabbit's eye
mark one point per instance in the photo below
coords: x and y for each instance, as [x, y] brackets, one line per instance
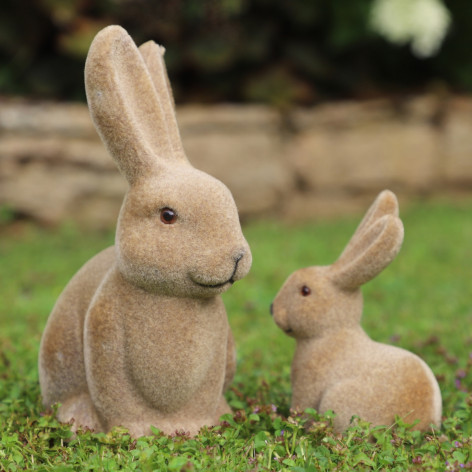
[168, 216]
[305, 291]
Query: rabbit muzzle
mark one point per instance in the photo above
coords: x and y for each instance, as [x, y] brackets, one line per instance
[235, 275]
[280, 316]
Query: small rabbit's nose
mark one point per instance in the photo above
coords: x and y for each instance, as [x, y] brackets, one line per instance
[271, 309]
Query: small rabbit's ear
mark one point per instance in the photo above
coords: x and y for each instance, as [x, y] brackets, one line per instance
[373, 246]
[153, 56]
[124, 105]
[386, 203]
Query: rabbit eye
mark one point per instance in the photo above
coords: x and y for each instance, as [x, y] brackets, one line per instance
[168, 216]
[305, 291]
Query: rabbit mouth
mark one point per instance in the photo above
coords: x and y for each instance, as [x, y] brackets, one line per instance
[221, 284]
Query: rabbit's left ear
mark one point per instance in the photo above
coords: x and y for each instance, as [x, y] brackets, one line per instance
[370, 253]
[126, 106]
[386, 203]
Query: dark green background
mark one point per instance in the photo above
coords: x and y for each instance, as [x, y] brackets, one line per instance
[280, 52]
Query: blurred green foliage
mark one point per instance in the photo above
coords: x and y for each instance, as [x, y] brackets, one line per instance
[271, 51]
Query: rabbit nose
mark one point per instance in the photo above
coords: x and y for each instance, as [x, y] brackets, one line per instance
[237, 258]
[241, 253]
[242, 263]
[271, 309]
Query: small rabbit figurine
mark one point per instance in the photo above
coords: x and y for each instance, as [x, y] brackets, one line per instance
[140, 336]
[336, 365]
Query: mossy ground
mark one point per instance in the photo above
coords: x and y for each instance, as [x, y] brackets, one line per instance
[422, 302]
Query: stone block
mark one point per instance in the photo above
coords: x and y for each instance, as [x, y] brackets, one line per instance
[242, 147]
[60, 193]
[457, 145]
[367, 156]
[46, 118]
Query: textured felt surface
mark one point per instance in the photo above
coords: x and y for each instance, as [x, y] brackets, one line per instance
[336, 366]
[140, 336]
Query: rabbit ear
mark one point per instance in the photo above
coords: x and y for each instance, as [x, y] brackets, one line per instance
[124, 104]
[386, 203]
[374, 245]
[153, 56]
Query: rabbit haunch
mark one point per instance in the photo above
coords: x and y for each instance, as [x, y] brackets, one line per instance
[336, 366]
[140, 336]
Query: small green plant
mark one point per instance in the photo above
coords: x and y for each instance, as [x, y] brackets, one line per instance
[421, 302]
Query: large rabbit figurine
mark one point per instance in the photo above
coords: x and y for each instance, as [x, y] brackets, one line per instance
[140, 336]
[336, 365]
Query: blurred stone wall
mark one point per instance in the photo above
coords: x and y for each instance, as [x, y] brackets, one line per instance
[322, 161]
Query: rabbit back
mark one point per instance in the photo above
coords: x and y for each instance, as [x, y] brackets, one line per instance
[397, 385]
[61, 359]
[361, 377]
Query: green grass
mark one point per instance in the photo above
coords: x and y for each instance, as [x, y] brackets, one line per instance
[422, 302]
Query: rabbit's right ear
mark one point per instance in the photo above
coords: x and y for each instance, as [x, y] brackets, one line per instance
[373, 246]
[153, 56]
[124, 105]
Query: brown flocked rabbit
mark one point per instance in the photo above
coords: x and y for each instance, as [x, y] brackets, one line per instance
[140, 336]
[336, 365]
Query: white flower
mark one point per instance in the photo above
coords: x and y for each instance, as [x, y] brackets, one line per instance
[423, 23]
